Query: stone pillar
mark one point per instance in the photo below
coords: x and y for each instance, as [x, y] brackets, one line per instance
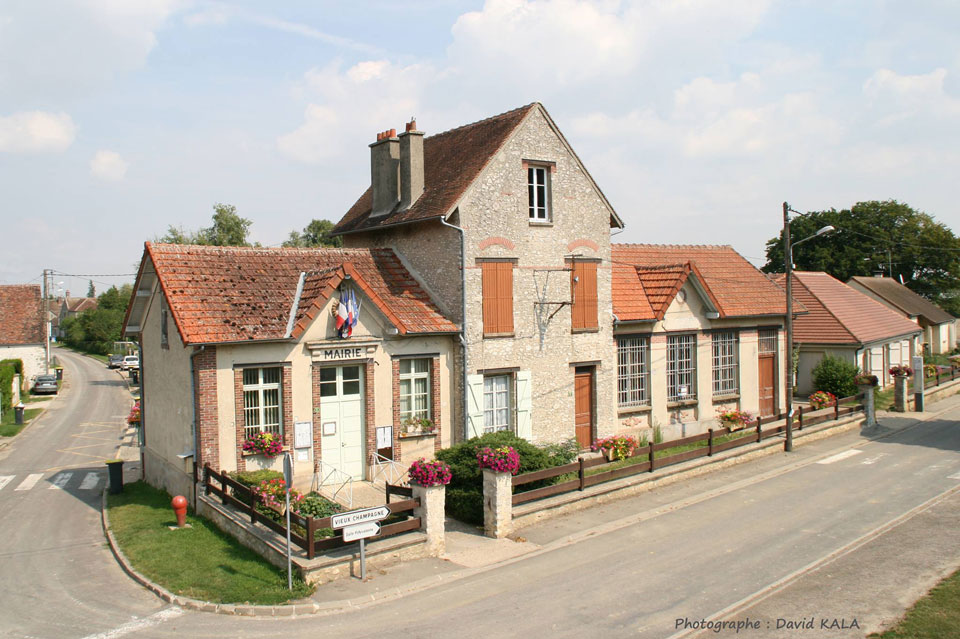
[900, 393]
[869, 408]
[431, 514]
[497, 503]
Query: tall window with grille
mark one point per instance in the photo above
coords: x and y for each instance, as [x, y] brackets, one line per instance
[414, 389]
[497, 403]
[633, 372]
[681, 367]
[261, 401]
[726, 363]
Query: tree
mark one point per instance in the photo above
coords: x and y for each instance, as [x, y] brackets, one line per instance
[91, 291]
[923, 251]
[97, 329]
[228, 229]
[316, 233]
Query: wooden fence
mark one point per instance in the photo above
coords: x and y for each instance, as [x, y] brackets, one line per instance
[645, 459]
[308, 533]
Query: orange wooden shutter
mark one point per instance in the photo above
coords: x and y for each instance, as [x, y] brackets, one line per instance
[497, 297]
[583, 285]
[489, 270]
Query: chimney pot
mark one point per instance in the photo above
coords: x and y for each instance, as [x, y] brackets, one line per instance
[411, 165]
[412, 125]
[393, 133]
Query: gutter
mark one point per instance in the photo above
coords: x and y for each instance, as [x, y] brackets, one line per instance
[463, 321]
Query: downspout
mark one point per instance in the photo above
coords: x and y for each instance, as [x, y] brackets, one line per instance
[196, 428]
[463, 322]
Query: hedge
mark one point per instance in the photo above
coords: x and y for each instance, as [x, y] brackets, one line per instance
[8, 369]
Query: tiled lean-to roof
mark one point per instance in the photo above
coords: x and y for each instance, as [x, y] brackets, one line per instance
[838, 314]
[901, 297]
[233, 294]
[21, 314]
[647, 277]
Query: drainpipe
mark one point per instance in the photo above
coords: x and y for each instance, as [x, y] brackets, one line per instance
[196, 429]
[463, 322]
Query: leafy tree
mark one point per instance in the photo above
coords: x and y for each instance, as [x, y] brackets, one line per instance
[316, 233]
[923, 251]
[91, 291]
[116, 298]
[97, 329]
[228, 229]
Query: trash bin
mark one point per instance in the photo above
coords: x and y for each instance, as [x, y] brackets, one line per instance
[135, 375]
[18, 414]
[115, 471]
[59, 374]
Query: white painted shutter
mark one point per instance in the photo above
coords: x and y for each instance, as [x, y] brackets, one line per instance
[474, 405]
[524, 405]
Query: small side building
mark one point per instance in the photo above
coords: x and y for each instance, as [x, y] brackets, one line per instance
[939, 327]
[237, 341]
[22, 331]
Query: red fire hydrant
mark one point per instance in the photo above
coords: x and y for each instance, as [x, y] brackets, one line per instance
[179, 504]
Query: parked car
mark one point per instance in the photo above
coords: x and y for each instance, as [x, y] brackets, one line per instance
[130, 361]
[114, 361]
[45, 384]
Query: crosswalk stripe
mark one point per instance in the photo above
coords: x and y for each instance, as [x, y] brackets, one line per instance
[5, 479]
[29, 482]
[90, 481]
[61, 481]
[953, 476]
[840, 456]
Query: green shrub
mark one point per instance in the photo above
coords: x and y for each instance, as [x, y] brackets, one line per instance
[836, 376]
[464, 495]
[9, 368]
[317, 506]
[251, 478]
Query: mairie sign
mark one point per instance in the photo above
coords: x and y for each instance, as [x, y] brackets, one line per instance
[358, 517]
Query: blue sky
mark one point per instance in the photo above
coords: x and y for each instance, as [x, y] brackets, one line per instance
[696, 118]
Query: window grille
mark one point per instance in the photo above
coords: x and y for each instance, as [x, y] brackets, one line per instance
[768, 341]
[261, 401]
[725, 364]
[633, 371]
[681, 367]
[414, 389]
[497, 403]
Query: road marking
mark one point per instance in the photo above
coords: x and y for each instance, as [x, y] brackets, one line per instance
[90, 480]
[139, 624]
[29, 482]
[953, 476]
[874, 459]
[5, 479]
[840, 456]
[61, 481]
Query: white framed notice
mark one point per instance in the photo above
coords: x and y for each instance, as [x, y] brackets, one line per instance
[329, 428]
[303, 435]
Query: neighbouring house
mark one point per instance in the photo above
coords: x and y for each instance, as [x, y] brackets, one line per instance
[503, 224]
[239, 341]
[847, 324]
[21, 327]
[939, 327]
[699, 330]
[70, 307]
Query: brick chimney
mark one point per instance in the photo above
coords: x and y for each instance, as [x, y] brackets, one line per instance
[385, 172]
[411, 165]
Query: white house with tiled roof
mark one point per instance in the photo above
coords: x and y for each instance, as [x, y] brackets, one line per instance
[22, 331]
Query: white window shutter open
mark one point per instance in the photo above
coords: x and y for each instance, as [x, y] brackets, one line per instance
[524, 405]
[474, 406]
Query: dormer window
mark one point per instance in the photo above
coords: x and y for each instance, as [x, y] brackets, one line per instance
[538, 192]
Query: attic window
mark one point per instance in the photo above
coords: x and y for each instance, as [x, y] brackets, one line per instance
[538, 192]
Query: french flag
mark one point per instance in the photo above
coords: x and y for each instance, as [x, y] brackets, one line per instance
[342, 313]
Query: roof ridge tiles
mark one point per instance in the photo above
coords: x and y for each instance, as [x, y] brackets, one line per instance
[683, 246]
[485, 120]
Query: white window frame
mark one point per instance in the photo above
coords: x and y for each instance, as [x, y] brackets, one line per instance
[633, 371]
[681, 366]
[497, 395]
[538, 176]
[726, 363]
[411, 376]
[254, 402]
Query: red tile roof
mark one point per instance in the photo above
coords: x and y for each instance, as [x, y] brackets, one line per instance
[452, 160]
[903, 298]
[646, 278]
[838, 314]
[21, 314]
[230, 294]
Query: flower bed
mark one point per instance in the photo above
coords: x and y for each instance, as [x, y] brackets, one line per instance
[734, 419]
[616, 446]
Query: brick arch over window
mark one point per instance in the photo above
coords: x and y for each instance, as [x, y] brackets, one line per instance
[496, 241]
[583, 243]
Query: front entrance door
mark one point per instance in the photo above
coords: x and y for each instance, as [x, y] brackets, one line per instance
[767, 380]
[341, 419]
[583, 405]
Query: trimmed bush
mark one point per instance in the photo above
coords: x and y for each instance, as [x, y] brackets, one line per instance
[464, 495]
[835, 375]
[8, 369]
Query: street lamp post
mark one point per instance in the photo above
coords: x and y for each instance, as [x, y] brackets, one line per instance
[788, 273]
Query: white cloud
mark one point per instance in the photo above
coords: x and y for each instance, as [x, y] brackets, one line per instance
[108, 165]
[904, 96]
[36, 132]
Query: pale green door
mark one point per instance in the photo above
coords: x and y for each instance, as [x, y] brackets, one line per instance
[341, 419]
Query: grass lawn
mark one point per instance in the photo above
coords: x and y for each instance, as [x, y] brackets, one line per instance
[199, 562]
[7, 426]
[935, 616]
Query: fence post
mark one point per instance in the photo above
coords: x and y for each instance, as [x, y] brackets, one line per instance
[759, 428]
[869, 408]
[650, 455]
[206, 478]
[938, 376]
[311, 532]
[430, 512]
[497, 503]
[709, 442]
[800, 418]
[580, 474]
[836, 409]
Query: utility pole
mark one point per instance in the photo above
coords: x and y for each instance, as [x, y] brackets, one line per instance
[787, 268]
[46, 319]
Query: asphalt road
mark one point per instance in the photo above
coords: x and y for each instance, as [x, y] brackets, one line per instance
[58, 577]
[843, 529]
